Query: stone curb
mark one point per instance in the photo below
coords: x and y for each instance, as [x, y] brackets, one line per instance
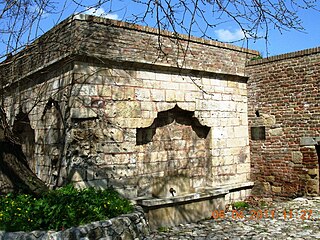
[126, 226]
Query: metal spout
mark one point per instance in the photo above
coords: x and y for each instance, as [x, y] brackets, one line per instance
[172, 191]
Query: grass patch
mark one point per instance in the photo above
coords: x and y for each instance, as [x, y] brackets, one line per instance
[240, 205]
[256, 58]
[163, 229]
[263, 204]
[60, 209]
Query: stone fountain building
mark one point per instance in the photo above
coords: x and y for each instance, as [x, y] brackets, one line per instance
[163, 118]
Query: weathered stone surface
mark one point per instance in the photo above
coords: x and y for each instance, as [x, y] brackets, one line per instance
[312, 189]
[266, 186]
[265, 120]
[297, 157]
[128, 109]
[276, 132]
[173, 211]
[276, 189]
[309, 141]
[270, 178]
[83, 113]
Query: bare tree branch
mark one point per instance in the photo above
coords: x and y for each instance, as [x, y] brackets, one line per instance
[21, 20]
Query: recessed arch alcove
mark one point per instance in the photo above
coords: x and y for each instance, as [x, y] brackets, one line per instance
[175, 152]
[176, 114]
[23, 130]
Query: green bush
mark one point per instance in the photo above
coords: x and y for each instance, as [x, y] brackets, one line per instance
[256, 58]
[240, 205]
[60, 209]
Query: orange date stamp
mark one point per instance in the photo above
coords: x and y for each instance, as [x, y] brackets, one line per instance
[259, 214]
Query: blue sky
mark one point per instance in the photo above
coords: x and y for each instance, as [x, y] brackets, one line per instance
[291, 41]
[278, 43]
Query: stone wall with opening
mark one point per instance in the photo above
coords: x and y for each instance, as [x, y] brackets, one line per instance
[150, 113]
[284, 119]
[39, 121]
[151, 131]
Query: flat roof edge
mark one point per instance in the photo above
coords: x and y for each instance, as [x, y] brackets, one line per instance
[165, 33]
[296, 54]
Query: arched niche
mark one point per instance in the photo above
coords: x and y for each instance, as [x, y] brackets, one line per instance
[173, 153]
[23, 130]
[176, 114]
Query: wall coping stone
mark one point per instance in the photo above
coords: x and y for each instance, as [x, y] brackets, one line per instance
[301, 53]
[126, 226]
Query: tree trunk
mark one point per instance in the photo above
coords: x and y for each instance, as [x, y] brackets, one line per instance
[15, 174]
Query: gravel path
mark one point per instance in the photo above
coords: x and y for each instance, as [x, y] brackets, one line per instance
[295, 219]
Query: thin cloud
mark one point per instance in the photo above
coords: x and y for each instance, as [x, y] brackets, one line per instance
[100, 12]
[226, 35]
[112, 16]
[35, 9]
[95, 11]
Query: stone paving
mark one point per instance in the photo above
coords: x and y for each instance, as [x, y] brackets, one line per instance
[296, 219]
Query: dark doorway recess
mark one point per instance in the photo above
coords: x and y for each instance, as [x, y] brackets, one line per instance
[184, 117]
[23, 130]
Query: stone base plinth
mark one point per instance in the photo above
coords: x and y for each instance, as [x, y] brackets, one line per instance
[166, 212]
[182, 209]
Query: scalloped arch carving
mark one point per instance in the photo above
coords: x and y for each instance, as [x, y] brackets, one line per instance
[176, 114]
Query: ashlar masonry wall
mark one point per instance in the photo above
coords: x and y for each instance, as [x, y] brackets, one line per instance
[119, 108]
[284, 119]
[160, 131]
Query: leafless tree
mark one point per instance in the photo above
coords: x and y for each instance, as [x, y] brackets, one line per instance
[21, 21]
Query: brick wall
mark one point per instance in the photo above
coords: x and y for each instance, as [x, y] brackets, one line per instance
[284, 96]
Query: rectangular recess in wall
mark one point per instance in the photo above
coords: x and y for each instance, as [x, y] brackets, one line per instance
[258, 133]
